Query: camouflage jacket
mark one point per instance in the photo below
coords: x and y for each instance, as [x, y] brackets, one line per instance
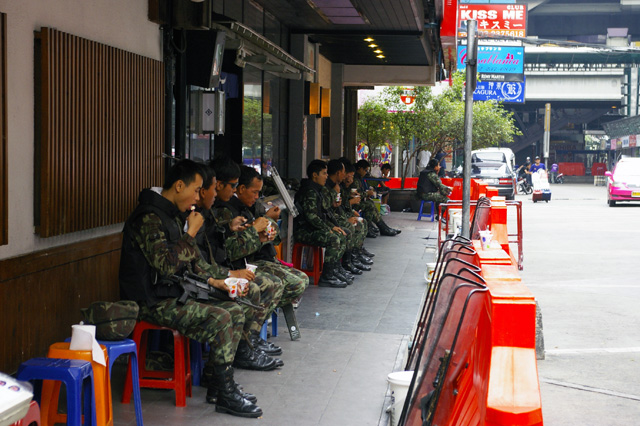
[429, 182]
[211, 240]
[314, 206]
[239, 245]
[331, 194]
[154, 247]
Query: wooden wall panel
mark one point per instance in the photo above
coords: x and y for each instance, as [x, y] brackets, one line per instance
[4, 181]
[101, 118]
[43, 292]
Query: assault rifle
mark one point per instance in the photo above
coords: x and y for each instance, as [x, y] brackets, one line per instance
[196, 288]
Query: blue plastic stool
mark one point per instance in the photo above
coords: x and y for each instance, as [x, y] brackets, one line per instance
[122, 347]
[274, 326]
[430, 216]
[197, 363]
[72, 372]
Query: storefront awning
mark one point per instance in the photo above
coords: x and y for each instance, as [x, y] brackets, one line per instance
[258, 51]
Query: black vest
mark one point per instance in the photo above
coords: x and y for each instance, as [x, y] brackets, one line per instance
[139, 281]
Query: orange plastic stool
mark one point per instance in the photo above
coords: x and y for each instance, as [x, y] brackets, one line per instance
[101, 386]
[318, 259]
[179, 379]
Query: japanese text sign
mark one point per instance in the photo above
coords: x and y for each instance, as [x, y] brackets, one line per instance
[497, 19]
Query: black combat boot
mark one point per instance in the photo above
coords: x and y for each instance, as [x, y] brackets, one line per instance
[365, 260]
[225, 394]
[251, 359]
[207, 380]
[371, 233]
[366, 252]
[386, 230]
[262, 345]
[329, 278]
[347, 264]
[356, 262]
[343, 274]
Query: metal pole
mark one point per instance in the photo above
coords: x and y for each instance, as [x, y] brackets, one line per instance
[547, 134]
[472, 55]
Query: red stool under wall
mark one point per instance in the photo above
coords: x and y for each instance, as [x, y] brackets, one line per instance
[318, 259]
[179, 379]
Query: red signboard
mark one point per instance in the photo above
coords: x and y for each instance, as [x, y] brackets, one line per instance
[496, 19]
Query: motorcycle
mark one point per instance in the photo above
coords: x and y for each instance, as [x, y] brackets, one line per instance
[523, 186]
[557, 178]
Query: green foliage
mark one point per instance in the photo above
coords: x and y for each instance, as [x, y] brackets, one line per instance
[374, 128]
[437, 121]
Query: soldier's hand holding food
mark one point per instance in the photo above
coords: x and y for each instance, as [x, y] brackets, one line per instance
[194, 222]
[274, 213]
[261, 224]
[243, 273]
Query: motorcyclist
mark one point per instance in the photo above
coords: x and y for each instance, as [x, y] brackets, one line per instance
[524, 171]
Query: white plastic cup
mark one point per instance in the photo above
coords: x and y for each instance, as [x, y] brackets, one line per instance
[242, 285]
[232, 286]
[399, 382]
[431, 269]
[251, 267]
[485, 239]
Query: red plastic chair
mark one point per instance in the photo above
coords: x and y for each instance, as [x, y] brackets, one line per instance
[33, 416]
[179, 379]
[318, 259]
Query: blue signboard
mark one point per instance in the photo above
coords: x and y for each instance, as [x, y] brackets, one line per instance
[503, 91]
[495, 59]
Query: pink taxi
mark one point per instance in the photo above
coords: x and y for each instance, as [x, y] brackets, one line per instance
[623, 184]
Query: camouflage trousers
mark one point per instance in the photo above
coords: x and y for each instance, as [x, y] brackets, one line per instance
[369, 210]
[220, 324]
[271, 289]
[335, 243]
[433, 196]
[294, 282]
[356, 233]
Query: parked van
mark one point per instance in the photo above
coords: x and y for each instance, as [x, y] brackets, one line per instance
[493, 154]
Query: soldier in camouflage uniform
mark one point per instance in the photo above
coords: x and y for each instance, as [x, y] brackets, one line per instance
[316, 224]
[430, 187]
[211, 241]
[350, 198]
[157, 244]
[255, 245]
[368, 208]
[353, 261]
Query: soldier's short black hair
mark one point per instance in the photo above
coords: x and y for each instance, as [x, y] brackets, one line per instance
[226, 169]
[385, 166]
[348, 167]
[184, 170]
[247, 174]
[432, 163]
[207, 178]
[334, 166]
[316, 166]
[362, 164]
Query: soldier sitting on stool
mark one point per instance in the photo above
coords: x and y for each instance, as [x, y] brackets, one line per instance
[157, 244]
[315, 225]
[431, 188]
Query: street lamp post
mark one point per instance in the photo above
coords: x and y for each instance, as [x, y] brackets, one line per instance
[471, 78]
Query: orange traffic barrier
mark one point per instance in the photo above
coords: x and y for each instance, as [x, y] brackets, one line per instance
[490, 377]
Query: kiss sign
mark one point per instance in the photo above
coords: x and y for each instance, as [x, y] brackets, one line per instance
[497, 19]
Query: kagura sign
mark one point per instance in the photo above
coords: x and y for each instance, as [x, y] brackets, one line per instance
[497, 19]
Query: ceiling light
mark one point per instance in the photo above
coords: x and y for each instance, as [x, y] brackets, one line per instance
[373, 45]
[377, 51]
[368, 39]
[380, 56]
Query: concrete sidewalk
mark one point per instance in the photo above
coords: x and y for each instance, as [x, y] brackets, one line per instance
[352, 338]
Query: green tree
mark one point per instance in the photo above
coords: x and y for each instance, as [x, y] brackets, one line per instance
[373, 124]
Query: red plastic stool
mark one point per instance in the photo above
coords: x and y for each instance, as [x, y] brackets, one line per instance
[318, 259]
[33, 416]
[179, 379]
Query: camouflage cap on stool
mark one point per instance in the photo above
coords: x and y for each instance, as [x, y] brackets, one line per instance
[113, 320]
